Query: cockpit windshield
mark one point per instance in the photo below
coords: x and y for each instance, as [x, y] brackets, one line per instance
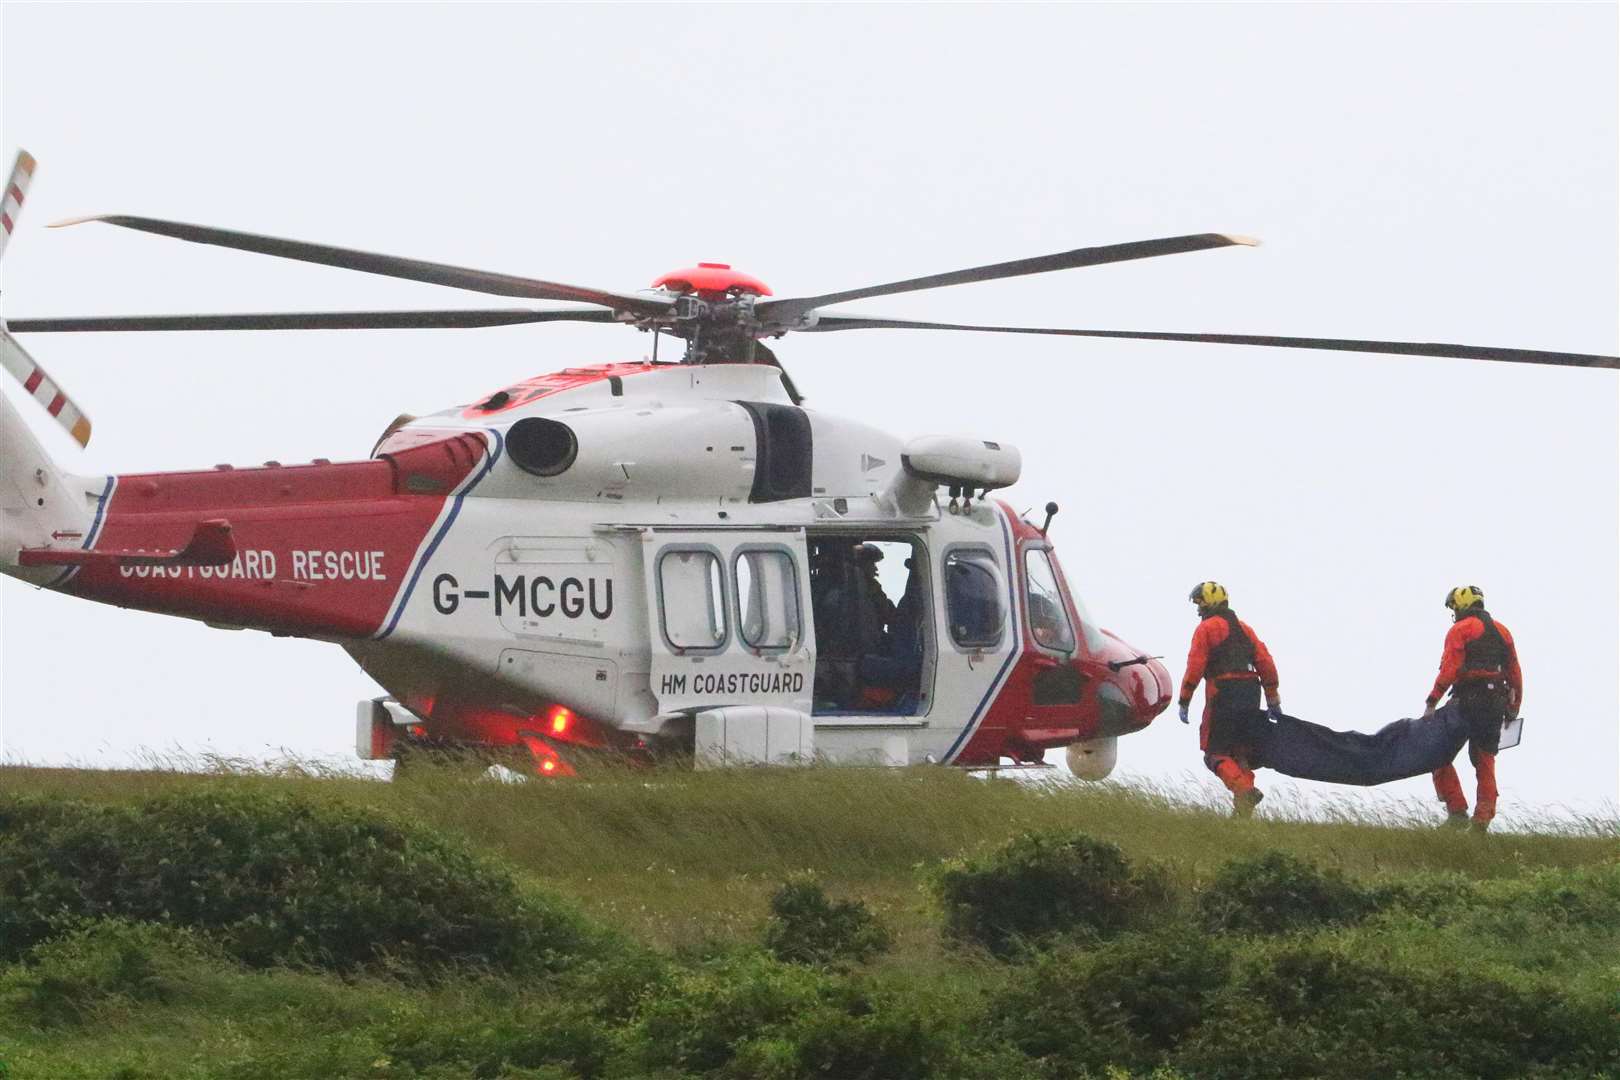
[1048, 618]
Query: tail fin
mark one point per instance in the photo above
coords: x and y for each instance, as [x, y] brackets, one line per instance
[41, 505]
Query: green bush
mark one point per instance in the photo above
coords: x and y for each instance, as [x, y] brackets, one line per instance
[858, 1038]
[613, 984]
[508, 1039]
[1127, 1003]
[806, 928]
[1437, 899]
[707, 1014]
[1276, 892]
[277, 880]
[1044, 884]
[1586, 898]
[69, 977]
[1312, 1009]
[751, 1016]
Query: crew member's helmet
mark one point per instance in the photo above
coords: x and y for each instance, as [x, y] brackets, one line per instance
[1465, 598]
[869, 554]
[1208, 594]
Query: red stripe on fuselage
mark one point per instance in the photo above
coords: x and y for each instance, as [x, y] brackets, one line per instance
[321, 549]
[553, 383]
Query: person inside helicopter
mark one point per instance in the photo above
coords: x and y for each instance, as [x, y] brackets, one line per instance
[868, 647]
[833, 606]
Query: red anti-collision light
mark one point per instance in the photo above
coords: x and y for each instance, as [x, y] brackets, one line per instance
[561, 719]
[712, 278]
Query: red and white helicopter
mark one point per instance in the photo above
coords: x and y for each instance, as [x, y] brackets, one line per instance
[662, 558]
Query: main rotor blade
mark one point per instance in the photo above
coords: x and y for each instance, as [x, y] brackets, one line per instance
[833, 321]
[316, 320]
[786, 311]
[387, 265]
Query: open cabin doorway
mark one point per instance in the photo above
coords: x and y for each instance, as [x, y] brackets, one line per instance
[871, 604]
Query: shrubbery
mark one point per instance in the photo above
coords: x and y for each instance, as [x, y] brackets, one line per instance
[69, 977]
[1312, 1009]
[700, 1021]
[748, 1015]
[499, 1039]
[276, 880]
[127, 931]
[1276, 892]
[1437, 899]
[1179, 999]
[807, 928]
[1128, 1002]
[1044, 884]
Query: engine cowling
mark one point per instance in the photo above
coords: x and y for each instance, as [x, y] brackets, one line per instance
[1093, 759]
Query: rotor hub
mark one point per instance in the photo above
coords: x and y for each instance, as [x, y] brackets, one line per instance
[712, 281]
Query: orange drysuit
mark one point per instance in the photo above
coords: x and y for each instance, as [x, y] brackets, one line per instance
[1480, 661]
[1233, 674]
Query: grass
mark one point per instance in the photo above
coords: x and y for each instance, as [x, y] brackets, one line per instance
[677, 857]
[686, 865]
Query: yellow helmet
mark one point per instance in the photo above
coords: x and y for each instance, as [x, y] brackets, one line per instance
[1208, 594]
[1464, 597]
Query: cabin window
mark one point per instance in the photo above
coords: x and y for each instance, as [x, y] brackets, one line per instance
[692, 598]
[973, 598]
[1048, 618]
[767, 599]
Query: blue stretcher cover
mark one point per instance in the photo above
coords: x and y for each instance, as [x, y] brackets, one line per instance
[1394, 752]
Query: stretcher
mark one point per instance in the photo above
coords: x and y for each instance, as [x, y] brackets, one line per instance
[1405, 748]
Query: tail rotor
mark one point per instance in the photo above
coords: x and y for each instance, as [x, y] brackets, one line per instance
[13, 357]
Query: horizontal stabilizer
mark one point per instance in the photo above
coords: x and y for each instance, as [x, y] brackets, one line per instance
[211, 544]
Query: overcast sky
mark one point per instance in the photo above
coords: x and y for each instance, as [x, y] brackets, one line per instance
[1434, 172]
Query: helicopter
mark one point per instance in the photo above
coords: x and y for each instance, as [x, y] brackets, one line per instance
[666, 559]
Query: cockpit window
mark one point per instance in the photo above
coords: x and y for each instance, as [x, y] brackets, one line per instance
[1048, 618]
[973, 599]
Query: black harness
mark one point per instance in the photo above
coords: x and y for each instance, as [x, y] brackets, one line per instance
[1481, 690]
[1235, 655]
[1488, 653]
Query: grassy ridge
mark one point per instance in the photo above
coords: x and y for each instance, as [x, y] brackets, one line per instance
[680, 857]
[680, 869]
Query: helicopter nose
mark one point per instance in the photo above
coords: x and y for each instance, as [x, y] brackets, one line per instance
[1134, 689]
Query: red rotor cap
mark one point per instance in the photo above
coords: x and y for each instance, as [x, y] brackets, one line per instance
[717, 279]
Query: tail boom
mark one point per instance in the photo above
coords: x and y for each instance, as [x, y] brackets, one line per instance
[321, 550]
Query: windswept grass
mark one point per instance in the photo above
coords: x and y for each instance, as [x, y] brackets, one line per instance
[680, 857]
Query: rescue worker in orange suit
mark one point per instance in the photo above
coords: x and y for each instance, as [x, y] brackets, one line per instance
[1481, 666]
[1235, 666]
